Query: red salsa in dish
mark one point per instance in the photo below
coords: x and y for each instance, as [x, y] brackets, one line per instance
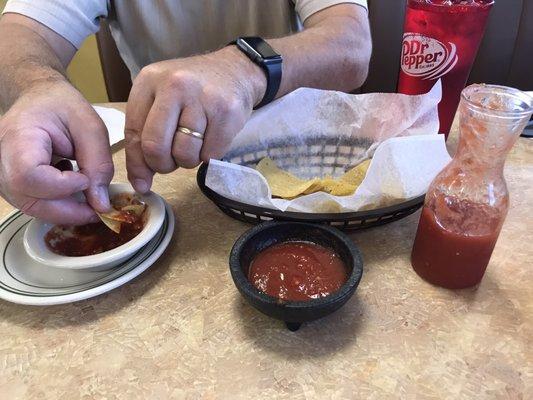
[297, 271]
[115, 228]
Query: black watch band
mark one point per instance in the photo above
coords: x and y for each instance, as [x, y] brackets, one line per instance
[260, 52]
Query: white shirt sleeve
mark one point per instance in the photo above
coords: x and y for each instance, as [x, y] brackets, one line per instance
[72, 19]
[306, 8]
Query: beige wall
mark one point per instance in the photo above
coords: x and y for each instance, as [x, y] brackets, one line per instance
[85, 71]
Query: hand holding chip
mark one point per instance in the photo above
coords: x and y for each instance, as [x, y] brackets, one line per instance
[35, 131]
[127, 209]
[184, 111]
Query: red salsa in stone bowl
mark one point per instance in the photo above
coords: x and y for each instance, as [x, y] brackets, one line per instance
[295, 272]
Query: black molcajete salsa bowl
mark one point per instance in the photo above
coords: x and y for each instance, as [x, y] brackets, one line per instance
[294, 312]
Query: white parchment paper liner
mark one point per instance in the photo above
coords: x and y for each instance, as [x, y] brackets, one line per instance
[398, 131]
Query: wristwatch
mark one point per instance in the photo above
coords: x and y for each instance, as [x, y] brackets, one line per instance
[260, 52]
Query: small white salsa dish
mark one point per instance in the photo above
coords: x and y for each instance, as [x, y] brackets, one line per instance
[36, 247]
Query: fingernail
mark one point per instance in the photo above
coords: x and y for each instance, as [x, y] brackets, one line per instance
[103, 196]
[83, 186]
[141, 185]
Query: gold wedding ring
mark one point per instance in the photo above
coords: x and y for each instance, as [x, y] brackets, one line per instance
[190, 132]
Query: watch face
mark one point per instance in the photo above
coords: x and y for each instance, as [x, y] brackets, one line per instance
[259, 46]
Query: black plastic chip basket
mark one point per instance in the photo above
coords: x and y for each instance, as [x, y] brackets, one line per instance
[320, 158]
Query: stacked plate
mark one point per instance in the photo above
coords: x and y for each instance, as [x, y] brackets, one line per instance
[26, 281]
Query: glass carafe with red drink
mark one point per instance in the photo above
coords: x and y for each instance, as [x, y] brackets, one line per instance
[467, 202]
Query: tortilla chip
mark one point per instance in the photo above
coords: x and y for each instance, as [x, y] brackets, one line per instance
[348, 183]
[122, 200]
[124, 212]
[357, 173]
[136, 209]
[112, 224]
[287, 186]
[317, 186]
[282, 184]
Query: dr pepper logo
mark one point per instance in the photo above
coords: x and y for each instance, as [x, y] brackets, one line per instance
[427, 58]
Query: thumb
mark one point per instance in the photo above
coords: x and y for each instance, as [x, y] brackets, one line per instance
[93, 154]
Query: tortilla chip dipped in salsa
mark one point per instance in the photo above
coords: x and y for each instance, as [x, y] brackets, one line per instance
[122, 213]
[287, 186]
[117, 227]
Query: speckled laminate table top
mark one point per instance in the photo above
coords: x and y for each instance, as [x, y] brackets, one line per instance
[181, 330]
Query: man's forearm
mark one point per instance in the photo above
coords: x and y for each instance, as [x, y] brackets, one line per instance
[333, 52]
[27, 61]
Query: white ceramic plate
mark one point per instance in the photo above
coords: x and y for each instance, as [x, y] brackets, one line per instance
[25, 281]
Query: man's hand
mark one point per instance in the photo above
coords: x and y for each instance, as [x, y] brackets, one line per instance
[212, 94]
[53, 119]
[45, 117]
[215, 93]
